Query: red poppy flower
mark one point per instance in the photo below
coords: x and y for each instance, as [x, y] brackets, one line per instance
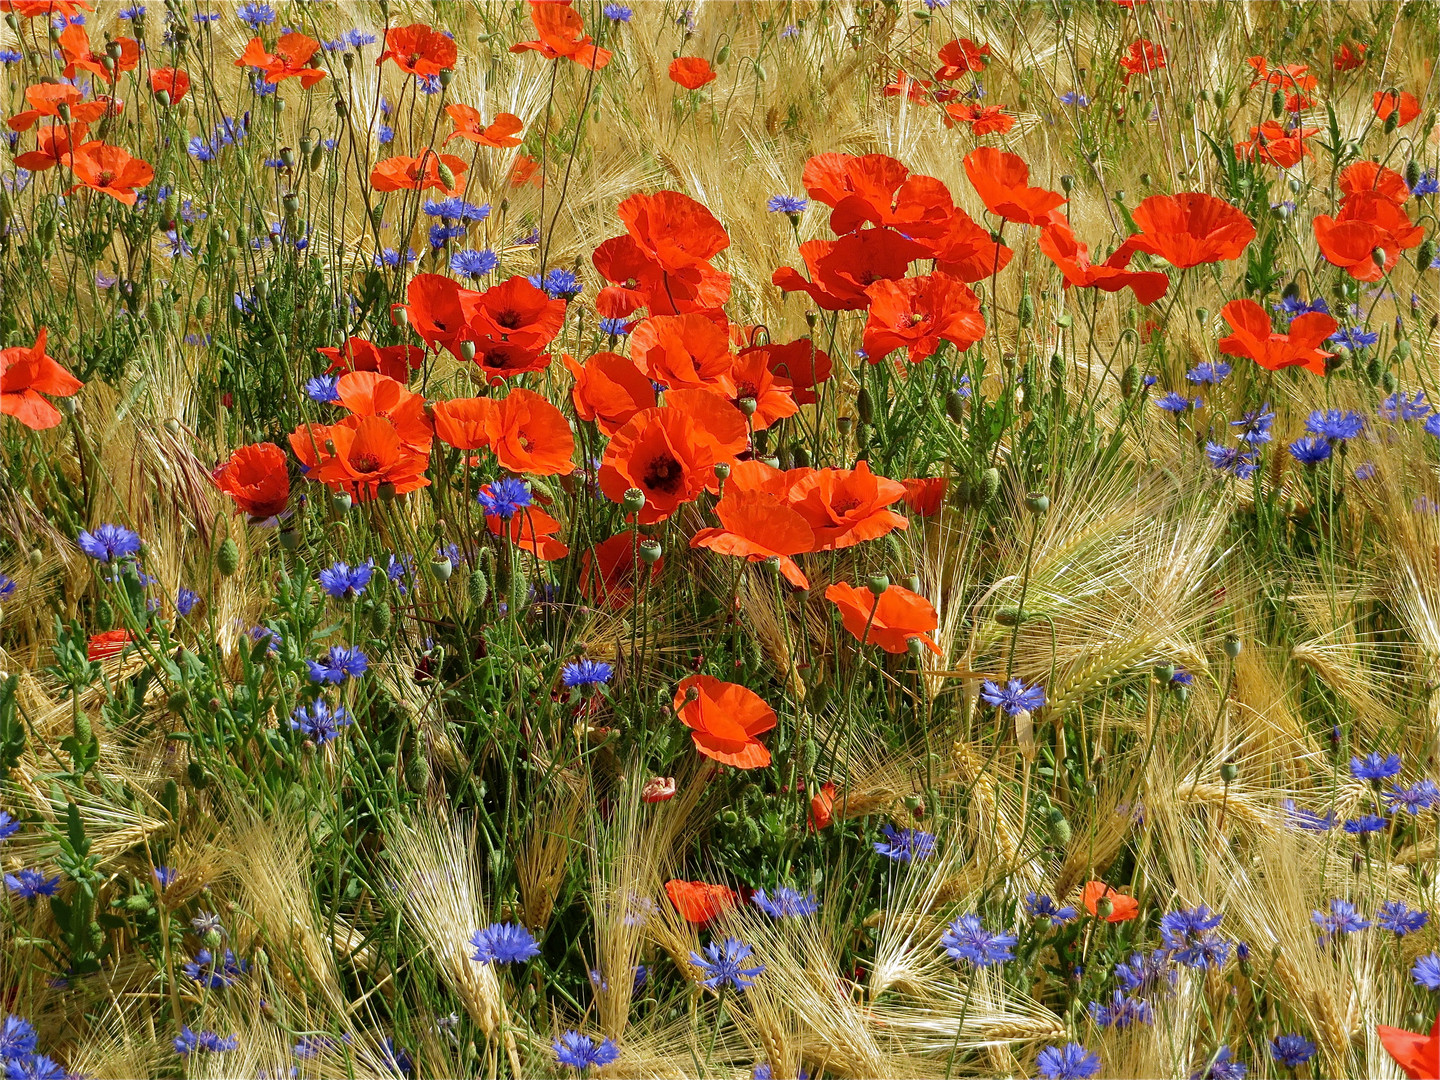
[55, 143]
[959, 57]
[1253, 338]
[26, 374]
[418, 173]
[530, 435]
[562, 33]
[75, 46]
[1123, 908]
[681, 351]
[256, 478]
[1073, 258]
[1290, 77]
[755, 526]
[1002, 181]
[290, 60]
[110, 170]
[1417, 1055]
[33, 9]
[878, 190]
[418, 50]
[842, 270]
[724, 720]
[471, 126]
[1367, 222]
[822, 807]
[1387, 101]
[437, 309]
[358, 455]
[967, 251]
[45, 100]
[107, 644]
[658, 789]
[691, 72]
[173, 81]
[719, 426]
[368, 393]
[750, 379]
[799, 363]
[609, 389]
[663, 261]
[1141, 58]
[500, 360]
[917, 313]
[983, 119]
[357, 354]
[907, 86]
[1372, 178]
[515, 313]
[660, 452]
[532, 530]
[890, 621]
[1349, 56]
[925, 497]
[1186, 230]
[1276, 145]
[526, 170]
[610, 571]
[699, 902]
[673, 229]
[461, 422]
[846, 506]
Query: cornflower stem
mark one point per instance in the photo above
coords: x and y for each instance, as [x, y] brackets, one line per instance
[960, 1025]
[1024, 590]
[719, 1019]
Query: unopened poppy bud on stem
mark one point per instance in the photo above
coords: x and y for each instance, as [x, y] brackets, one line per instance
[1378, 257]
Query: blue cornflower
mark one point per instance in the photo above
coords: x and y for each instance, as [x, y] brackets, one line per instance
[1352, 339]
[1255, 426]
[185, 601]
[558, 284]
[28, 884]
[164, 875]
[1122, 1012]
[1070, 1062]
[791, 31]
[205, 17]
[7, 585]
[1291, 1051]
[619, 13]
[1014, 698]
[396, 569]
[722, 965]
[1191, 940]
[109, 543]
[214, 1043]
[473, 264]
[271, 637]
[1374, 767]
[1076, 98]
[8, 826]
[582, 1052]
[503, 943]
[967, 939]
[1399, 919]
[1427, 184]
[313, 1046]
[1144, 974]
[215, 973]
[1038, 906]
[615, 327]
[323, 388]
[1426, 971]
[1240, 464]
[17, 1039]
[1399, 407]
[1298, 817]
[256, 15]
[358, 39]
[1432, 425]
[787, 204]
[318, 722]
[175, 245]
[586, 672]
[440, 235]
[388, 257]
[1221, 1066]
[787, 903]
[1177, 403]
[504, 498]
[1343, 918]
[38, 1067]
[10, 56]
[1292, 306]
[1364, 825]
[1418, 797]
[905, 845]
[345, 582]
[1209, 373]
[340, 664]
[1311, 450]
[1334, 424]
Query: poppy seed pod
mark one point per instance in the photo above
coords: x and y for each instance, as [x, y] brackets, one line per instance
[441, 569]
[633, 501]
[1064, 320]
[162, 98]
[1229, 771]
[341, 502]
[911, 582]
[1037, 503]
[1164, 672]
[748, 405]
[1233, 646]
[447, 76]
[722, 473]
[650, 552]
[1104, 907]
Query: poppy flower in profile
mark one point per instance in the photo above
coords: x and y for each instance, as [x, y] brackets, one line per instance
[890, 621]
[924, 497]
[529, 435]
[1123, 908]
[909, 87]
[461, 422]
[526, 170]
[1288, 77]
[658, 789]
[110, 170]
[471, 126]
[1003, 183]
[1417, 1055]
[1059, 245]
[1372, 178]
[750, 380]
[255, 477]
[1274, 144]
[418, 50]
[609, 389]
[663, 261]
[26, 373]
[1141, 58]
[659, 452]
[691, 72]
[610, 571]
[45, 100]
[846, 507]
[436, 309]
[724, 719]
[54, 145]
[358, 455]
[822, 807]
[917, 313]
[673, 229]
[983, 119]
[532, 530]
[959, 57]
[699, 902]
[756, 526]
[681, 351]
[1188, 229]
[402, 173]
[75, 46]
[290, 60]
[561, 33]
[842, 270]
[107, 644]
[1254, 338]
[172, 81]
[1388, 101]
[798, 362]
[1349, 56]
[967, 251]
[357, 354]
[368, 393]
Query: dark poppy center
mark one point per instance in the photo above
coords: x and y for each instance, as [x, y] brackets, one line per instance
[510, 319]
[664, 473]
[365, 463]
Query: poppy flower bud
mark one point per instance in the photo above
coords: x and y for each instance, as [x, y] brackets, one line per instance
[800, 455]
[1233, 646]
[632, 501]
[955, 406]
[1425, 253]
[1392, 122]
[227, 558]
[878, 583]
[162, 98]
[1378, 257]
[446, 175]
[441, 568]
[35, 556]
[1064, 320]
[467, 350]
[1203, 314]
[262, 289]
[864, 406]
[1277, 103]
[1130, 381]
[196, 775]
[989, 486]
[1027, 310]
[650, 552]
